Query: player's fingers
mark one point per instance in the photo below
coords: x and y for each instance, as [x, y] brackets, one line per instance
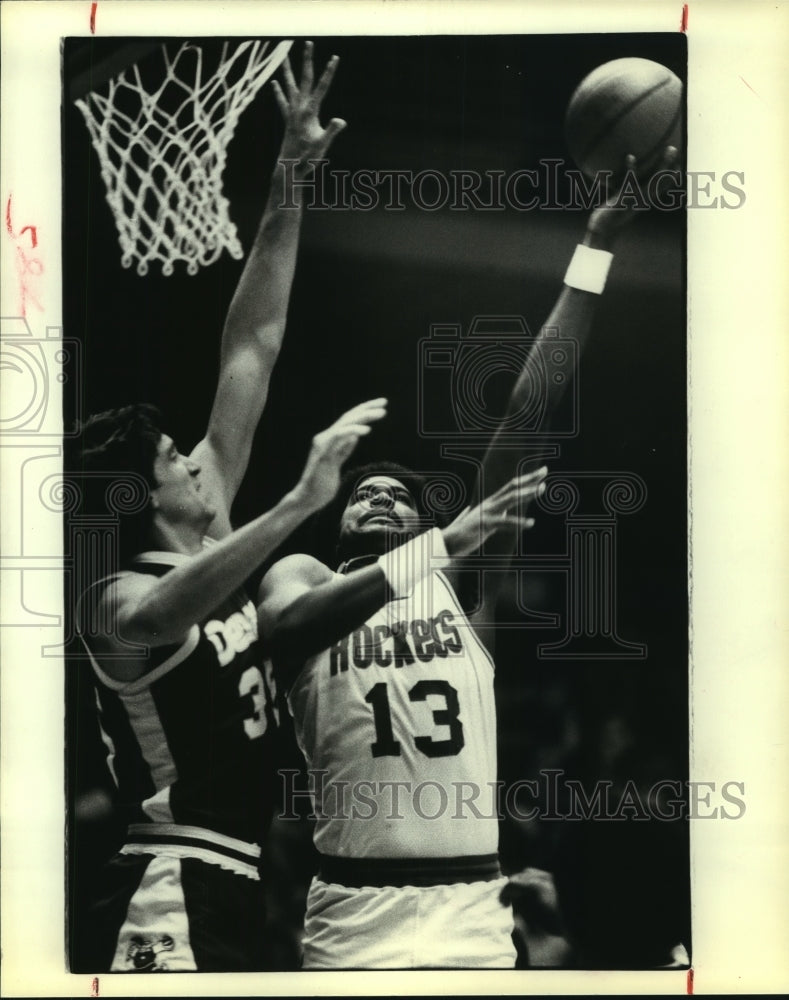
[335, 126]
[509, 504]
[346, 429]
[363, 417]
[377, 401]
[284, 107]
[291, 89]
[523, 487]
[525, 479]
[306, 69]
[528, 479]
[511, 514]
[509, 521]
[530, 483]
[374, 407]
[670, 157]
[513, 499]
[326, 78]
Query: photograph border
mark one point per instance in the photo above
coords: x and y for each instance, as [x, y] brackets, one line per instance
[739, 531]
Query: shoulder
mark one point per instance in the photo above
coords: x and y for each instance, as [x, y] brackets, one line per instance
[116, 589]
[287, 581]
[298, 568]
[103, 614]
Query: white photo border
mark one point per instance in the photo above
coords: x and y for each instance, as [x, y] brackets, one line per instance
[739, 370]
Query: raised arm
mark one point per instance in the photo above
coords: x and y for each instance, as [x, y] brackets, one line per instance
[161, 611]
[572, 316]
[255, 321]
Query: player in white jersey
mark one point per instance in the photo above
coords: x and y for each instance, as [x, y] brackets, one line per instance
[391, 689]
[413, 681]
[398, 714]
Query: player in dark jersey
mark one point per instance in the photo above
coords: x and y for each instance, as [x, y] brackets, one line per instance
[389, 685]
[185, 698]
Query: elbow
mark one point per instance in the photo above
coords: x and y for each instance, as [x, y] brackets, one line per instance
[269, 337]
[150, 626]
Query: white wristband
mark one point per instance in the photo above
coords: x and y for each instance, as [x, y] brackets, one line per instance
[406, 565]
[588, 269]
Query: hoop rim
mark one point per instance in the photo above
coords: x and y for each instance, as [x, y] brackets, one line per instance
[84, 70]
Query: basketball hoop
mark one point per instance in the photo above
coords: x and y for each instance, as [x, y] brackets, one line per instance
[163, 147]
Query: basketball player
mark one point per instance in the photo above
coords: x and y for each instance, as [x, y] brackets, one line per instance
[186, 704]
[390, 684]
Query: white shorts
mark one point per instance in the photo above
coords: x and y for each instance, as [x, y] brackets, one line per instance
[461, 926]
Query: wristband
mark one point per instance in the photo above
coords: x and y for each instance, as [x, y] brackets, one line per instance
[588, 269]
[406, 565]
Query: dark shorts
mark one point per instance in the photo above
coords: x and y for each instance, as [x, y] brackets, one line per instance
[165, 914]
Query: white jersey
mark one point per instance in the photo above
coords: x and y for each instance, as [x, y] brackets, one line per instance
[400, 716]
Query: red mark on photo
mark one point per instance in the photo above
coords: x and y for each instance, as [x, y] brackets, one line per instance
[683, 24]
[690, 983]
[27, 267]
[94, 988]
[93, 7]
[8, 224]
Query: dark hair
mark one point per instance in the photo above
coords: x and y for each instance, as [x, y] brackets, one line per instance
[324, 529]
[413, 482]
[110, 465]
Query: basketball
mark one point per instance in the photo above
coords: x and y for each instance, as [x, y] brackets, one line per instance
[624, 106]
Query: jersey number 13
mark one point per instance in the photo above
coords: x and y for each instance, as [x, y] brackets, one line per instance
[386, 745]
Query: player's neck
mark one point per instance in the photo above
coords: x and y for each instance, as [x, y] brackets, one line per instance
[186, 538]
[367, 545]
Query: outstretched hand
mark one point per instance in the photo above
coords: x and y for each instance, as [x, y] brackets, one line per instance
[305, 138]
[502, 510]
[620, 208]
[320, 479]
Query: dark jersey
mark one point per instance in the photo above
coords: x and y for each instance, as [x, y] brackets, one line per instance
[191, 742]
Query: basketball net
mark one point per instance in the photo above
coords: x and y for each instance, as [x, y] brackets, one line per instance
[163, 149]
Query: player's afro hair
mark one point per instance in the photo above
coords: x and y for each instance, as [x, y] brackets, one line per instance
[413, 482]
[325, 527]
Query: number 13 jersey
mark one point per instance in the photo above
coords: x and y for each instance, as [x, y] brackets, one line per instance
[397, 724]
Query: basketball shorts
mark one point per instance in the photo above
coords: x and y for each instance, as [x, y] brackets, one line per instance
[460, 926]
[169, 914]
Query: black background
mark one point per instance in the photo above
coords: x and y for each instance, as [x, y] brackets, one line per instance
[368, 287]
